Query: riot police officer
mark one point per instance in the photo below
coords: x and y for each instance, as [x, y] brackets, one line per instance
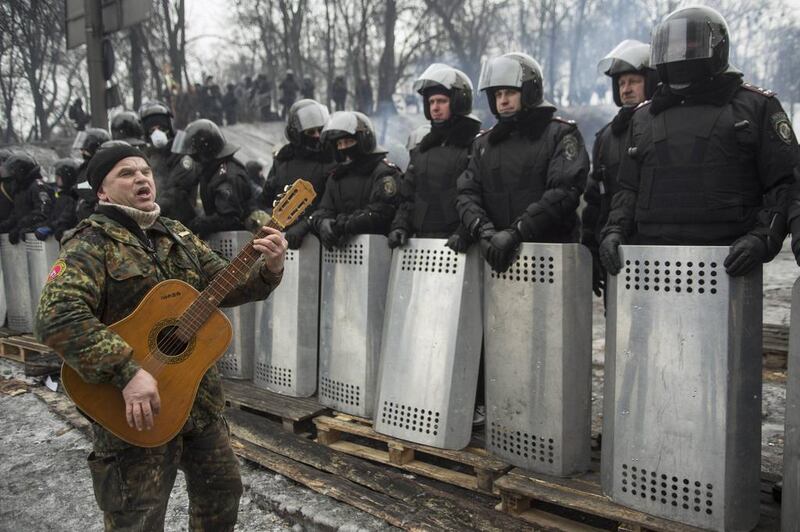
[361, 191]
[64, 215]
[126, 125]
[85, 145]
[304, 157]
[428, 187]
[33, 199]
[224, 188]
[710, 158]
[175, 174]
[526, 174]
[632, 82]
[6, 187]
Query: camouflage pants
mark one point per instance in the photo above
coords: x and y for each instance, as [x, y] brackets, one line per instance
[132, 485]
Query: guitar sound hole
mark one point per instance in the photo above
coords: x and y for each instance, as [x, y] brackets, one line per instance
[169, 342]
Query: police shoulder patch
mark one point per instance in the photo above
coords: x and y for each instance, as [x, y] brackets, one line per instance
[388, 186]
[187, 162]
[764, 92]
[570, 145]
[782, 127]
[59, 267]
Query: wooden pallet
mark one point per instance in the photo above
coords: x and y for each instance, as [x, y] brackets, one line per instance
[38, 358]
[776, 346]
[523, 494]
[294, 413]
[482, 468]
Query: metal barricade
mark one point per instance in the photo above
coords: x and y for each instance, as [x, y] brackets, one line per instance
[431, 345]
[354, 283]
[790, 509]
[41, 256]
[287, 326]
[682, 399]
[18, 291]
[237, 362]
[538, 359]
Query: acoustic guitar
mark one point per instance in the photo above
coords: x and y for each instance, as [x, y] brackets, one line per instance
[177, 333]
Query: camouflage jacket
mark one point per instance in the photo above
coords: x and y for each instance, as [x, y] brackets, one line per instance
[100, 277]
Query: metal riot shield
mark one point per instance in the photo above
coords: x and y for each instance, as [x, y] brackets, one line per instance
[18, 289]
[682, 405]
[237, 362]
[538, 359]
[41, 256]
[431, 345]
[287, 326]
[790, 510]
[354, 283]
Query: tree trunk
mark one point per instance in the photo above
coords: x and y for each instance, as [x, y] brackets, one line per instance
[137, 72]
[577, 34]
[387, 77]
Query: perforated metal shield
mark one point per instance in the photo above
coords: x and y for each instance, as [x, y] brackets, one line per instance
[18, 291]
[237, 362]
[431, 345]
[287, 326]
[538, 359]
[41, 256]
[354, 283]
[790, 510]
[682, 400]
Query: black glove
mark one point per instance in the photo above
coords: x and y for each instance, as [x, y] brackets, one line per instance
[504, 246]
[202, 226]
[58, 234]
[296, 233]
[609, 252]
[42, 233]
[358, 223]
[397, 237]
[328, 233]
[598, 276]
[488, 252]
[13, 236]
[745, 254]
[458, 242]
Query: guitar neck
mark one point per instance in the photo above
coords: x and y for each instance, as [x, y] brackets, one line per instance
[234, 274]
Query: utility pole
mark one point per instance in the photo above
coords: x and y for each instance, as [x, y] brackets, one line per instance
[94, 58]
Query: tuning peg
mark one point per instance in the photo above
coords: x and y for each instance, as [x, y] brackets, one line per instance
[274, 203]
[286, 187]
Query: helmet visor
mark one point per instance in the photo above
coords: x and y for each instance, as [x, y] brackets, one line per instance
[182, 144]
[312, 116]
[628, 56]
[439, 74]
[500, 72]
[77, 144]
[682, 40]
[344, 121]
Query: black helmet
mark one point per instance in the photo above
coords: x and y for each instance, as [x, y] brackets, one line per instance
[203, 140]
[692, 44]
[22, 168]
[5, 153]
[457, 85]
[305, 114]
[517, 71]
[154, 114]
[87, 141]
[67, 170]
[629, 57]
[350, 124]
[126, 126]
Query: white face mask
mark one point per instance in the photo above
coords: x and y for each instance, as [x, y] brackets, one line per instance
[158, 138]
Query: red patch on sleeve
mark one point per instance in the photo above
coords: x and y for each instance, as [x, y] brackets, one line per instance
[58, 268]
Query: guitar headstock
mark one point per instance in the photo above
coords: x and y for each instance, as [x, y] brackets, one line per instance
[292, 203]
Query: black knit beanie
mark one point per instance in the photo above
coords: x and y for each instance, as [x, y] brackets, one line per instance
[105, 158]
